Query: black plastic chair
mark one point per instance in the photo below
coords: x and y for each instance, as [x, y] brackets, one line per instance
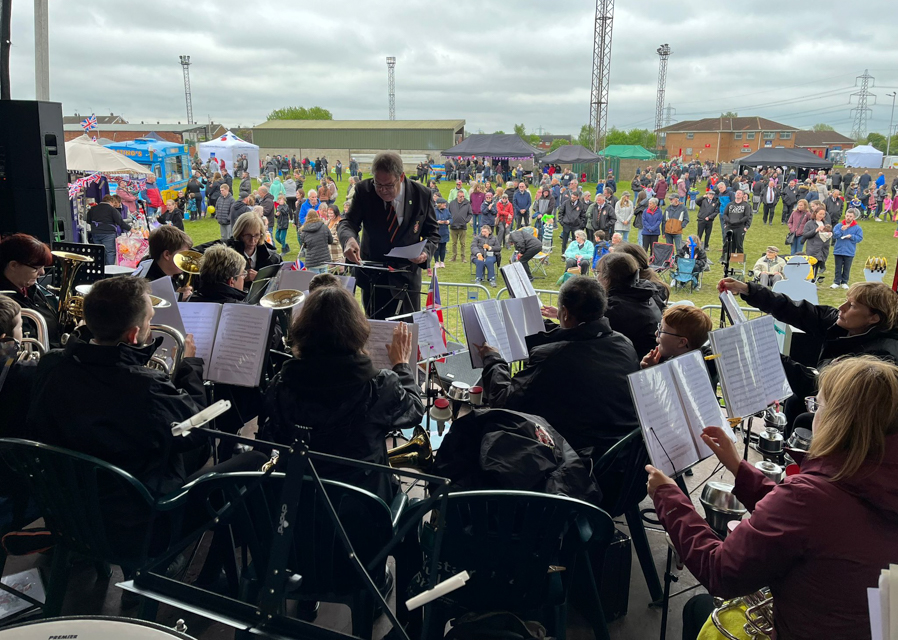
[83, 500]
[620, 473]
[317, 553]
[508, 541]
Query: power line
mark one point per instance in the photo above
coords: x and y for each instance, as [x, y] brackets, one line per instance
[755, 93]
[862, 112]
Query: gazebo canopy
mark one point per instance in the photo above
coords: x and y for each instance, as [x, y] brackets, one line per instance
[494, 145]
[86, 156]
[628, 151]
[570, 154]
[774, 157]
[864, 156]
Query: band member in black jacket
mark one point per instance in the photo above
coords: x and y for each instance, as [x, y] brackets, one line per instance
[394, 212]
[23, 259]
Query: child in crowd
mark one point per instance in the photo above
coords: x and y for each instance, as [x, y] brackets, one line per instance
[444, 217]
[282, 215]
[601, 248]
[857, 203]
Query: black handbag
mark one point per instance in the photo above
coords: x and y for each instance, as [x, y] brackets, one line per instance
[790, 238]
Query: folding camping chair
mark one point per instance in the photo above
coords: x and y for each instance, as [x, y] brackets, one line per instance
[737, 266]
[663, 258]
[684, 273]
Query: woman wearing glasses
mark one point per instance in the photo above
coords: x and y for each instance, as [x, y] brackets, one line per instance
[820, 538]
[249, 241]
[22, 262]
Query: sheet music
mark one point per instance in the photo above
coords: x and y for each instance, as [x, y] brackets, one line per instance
[751, 372]
[430, 335]
[876, 620]
[409, 253]
[143, 269]
[382, 335]
[241, 343]
[526, 315]
[698, 399]
[492, 323]
[171, 316]
[201, 320]
[300, 280]
[729, 302]
[516, 280]
[473, 333]
[270, 271]
[665, 428]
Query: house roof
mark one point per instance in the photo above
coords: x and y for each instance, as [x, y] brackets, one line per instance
[149, 126]
[362, 124]
[549, 137]
[748, 123]
[110, 119]
[821, 139]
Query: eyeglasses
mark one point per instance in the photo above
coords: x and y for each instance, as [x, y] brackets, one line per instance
[242, 274]
[658, 332]
[36, 267]
[251, 236]
[812, 403]
[387, 187]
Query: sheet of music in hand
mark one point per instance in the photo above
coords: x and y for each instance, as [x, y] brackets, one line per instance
[232, 340]
[519, 285]
[675, 401]
[732, 307]
[299, 280]
[883, 605]
[751, 371]
[503, 324]
[382, 335]
[430, 334]
[170, 315]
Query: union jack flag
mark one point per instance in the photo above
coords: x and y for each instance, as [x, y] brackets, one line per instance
[435, 303]
[299, 265]
[89, 124]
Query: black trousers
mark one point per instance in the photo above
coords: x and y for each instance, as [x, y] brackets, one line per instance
[583, 264]
[567, 234]
[647, 242]
[738, 241]
[704, 231]
[787, 211]
[695, 613]
[525, 260]
[769, 210]
[521, 219]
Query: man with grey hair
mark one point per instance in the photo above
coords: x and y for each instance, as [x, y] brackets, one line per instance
[394, 212]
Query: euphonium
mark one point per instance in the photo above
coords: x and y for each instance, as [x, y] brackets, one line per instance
[70, 309]
[417, 453]
[158, 361]
[758, 615]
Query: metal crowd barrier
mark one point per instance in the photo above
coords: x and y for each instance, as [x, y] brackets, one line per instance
[750, 312]
[453, 294]
[547, 297]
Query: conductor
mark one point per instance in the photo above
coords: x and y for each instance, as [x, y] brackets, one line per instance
[395, 212]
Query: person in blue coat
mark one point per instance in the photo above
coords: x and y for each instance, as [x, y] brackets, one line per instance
[846, 235]
[444, 217]
[651, 224]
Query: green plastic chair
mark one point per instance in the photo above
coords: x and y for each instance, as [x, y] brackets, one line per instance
[83, 500]
[317, 553]
[507, 541]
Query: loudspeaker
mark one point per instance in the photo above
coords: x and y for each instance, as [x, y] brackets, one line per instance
[33, 176]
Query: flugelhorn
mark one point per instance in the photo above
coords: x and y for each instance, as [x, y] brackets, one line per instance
[282, 299]
[188, 262]
[417, 453]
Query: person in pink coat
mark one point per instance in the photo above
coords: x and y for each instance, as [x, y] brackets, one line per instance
[820, 538]
[127, 197]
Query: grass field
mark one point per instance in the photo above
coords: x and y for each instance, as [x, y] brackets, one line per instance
[878, 241]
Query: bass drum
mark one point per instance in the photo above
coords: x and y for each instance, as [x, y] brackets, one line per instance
[91, 628]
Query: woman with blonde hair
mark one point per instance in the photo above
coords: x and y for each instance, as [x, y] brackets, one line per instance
[248, 239]
[820, 538]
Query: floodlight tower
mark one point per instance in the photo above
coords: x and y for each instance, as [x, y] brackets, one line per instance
[601, 75]
[664, 53]
[185, 65]
[862, 111]
[391, 79]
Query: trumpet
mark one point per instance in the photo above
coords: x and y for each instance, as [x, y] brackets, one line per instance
[758, 615]
[189, 263]
[417, 453]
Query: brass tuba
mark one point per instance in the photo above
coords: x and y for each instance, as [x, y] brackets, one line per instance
[70, 309]
[417, 453]
[758, 615]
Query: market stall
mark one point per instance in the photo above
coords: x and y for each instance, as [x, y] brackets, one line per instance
[227, 148]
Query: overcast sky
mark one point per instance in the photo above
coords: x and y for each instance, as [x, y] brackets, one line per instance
[470, 60]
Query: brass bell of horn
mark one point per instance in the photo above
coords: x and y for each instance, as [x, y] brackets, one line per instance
[417, 453]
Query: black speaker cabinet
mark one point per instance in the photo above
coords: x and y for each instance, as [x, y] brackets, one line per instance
[33, 176]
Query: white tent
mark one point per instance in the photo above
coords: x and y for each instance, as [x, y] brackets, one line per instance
[866, 156]
[86, 156]
[228, 147]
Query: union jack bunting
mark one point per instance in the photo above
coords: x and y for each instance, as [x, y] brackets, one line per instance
[89, 124]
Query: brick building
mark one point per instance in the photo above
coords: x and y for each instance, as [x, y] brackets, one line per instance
[822, 142]
[545, 142]
[101, 120]
[178, 133]
[725, 139]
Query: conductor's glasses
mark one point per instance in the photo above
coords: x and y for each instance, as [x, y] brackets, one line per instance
[390, 187]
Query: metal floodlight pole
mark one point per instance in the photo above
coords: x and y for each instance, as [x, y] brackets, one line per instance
[601, 75]
[41, 51]
[664, 52]
[185, 65]
[391, 84]
[891, 118]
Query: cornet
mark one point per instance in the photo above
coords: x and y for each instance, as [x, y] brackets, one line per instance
[71, 307]
[189, 263]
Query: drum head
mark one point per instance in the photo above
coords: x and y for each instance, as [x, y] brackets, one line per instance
[91, 628]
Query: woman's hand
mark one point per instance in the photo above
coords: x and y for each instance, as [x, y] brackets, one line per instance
[189, 346]
[722, 447]
[656, 479]
[730, 284]
[400, 349]
[549, 312]
[251, 274]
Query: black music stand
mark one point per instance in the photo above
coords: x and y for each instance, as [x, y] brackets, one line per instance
[89, 272]
[375, 271]
[266, 618]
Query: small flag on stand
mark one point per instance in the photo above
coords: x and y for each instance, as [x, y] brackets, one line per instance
[89, 124]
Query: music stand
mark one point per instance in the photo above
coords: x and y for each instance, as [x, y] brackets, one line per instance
[375, 271]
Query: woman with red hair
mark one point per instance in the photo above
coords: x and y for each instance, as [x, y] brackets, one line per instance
[22, 262]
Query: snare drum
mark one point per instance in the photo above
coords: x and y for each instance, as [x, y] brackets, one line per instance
[91, 628]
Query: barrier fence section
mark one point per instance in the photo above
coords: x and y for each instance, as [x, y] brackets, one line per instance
[547, 297]
[453, 294]
[750, 312]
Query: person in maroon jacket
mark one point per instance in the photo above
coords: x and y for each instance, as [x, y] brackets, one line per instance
[821, 538]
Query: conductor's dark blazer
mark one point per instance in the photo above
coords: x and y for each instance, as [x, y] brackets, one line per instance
[419, 222]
